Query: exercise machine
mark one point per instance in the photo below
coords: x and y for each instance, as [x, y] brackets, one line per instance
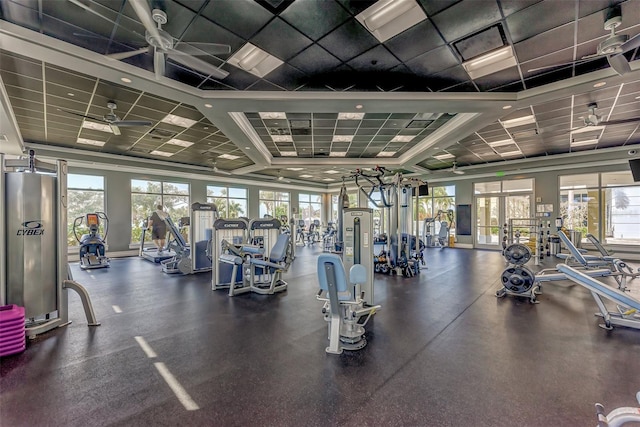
[313, 235]
[329, 237]
[300, 232]
[190, 259]
[619, 416]
[152, 254]
[230, 235]
[357, 229]
[34, 269]
[344, 309]
[436, 230]
[92, 245]
[627, 308]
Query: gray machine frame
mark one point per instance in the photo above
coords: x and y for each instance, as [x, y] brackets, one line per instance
[58, 317]
[357, 232]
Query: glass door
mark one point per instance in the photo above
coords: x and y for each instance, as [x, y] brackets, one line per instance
[488, 222]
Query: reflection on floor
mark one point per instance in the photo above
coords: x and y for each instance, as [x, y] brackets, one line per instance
[442, 351]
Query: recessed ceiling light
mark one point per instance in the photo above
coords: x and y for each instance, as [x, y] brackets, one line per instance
[490, 62]
[387, 18]
[91, 142]
[295, 169]
[444, 156]
[520, 121]
[402, 138]
[338, 154]
[273, 116]
[161, 153]
[206, 128]
[511, 153]
[179, 142]
[254, 60]
[350, 116]
[342, 138]
[102, 127]
[306, 176]
[178, 121]
[585, 142]
[282, 138]
[228, 156]
[599, 84]
[386, 154]
[288, 153]
[359, 107]
[331, 171]
[71, 94]
[328, 179]
[501, 142]
[506, 107]
[125, 79]
[637, 97]
[247, 148]
[208, 105]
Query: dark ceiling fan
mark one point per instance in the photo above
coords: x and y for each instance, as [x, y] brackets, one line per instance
[114, 122]
[613, 47]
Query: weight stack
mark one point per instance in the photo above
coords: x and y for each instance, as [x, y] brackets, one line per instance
[12, 333]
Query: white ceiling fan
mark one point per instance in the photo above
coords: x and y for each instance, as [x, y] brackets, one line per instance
[114, 122]
[590, 120]
[164, 45]
[455, 169]
[219, 171]
[613, 47]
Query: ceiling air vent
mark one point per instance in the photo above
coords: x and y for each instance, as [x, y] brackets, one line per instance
[279, 131]
[157, 133]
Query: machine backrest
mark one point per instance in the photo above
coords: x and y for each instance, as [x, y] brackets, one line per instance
[279, 251]
[444, 229]
[595, 242]
[572, 248]
[331, 272]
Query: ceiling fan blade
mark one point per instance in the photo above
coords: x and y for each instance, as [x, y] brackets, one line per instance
[158, 63]
[142, 10]
[620, 122]
[90, 10]
[619, 63]
[632, 43]
[197, 48]
[132, 123]
[125, 55]
[97, 119]
[114, 129]
[199, 65]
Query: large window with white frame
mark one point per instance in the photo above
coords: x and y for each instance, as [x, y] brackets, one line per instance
[146, 195]
[231, 201]
[605, 204]
[274, 203]
[440, 200]
[310, 206]
[353, 203]
[85, 194]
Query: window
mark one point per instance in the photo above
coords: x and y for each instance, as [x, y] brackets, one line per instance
[85, 194]
[310, 206]
[231, 201]
[579, 203]
[440, 199]
[145, 195]
[353, 203]
[274, 203]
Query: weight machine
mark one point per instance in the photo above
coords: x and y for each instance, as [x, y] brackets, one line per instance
[34, 269]
[404, 254]
[92, 249]
[619, 416]
[439, 238]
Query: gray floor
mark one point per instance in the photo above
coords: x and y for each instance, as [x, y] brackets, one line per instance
[443, 351]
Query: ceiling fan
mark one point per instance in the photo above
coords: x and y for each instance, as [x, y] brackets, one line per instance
[114, 122]
[219, 171]
[590, 120]
[164, 46]
[455, 169]
[613, 47]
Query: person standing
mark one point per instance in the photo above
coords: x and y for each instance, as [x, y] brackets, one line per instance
[158, 228]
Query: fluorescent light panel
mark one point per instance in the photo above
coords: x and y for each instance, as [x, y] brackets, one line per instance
[444, 156]
[331, 171]
[90, 142]
[587, 129]
[511, 153]
[102, 127]
[282, 138]
[178, 121]
[295, 169]
[273, 115]
[338, 154]
[328, 179]
[585, 142]
[402, 138]
[342, 138]
[387, 18]
[306, 176]
[161, 153]
[289, 153]
[490, 62]
[386, 154]
[350, 116]
[254, 60]
[502, 142]
[520, 121]
[180, 142]
[228, 156]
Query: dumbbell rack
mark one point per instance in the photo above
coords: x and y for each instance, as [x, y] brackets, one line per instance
[539, 233]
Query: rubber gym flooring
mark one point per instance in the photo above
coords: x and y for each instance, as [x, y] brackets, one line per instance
[442, 351]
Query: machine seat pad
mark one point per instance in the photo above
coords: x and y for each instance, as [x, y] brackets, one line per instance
[602, 289]
[252, 249]
[341, 276]
[230, 259]
[358, 274]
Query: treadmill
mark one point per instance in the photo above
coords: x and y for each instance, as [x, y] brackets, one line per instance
[151, 254]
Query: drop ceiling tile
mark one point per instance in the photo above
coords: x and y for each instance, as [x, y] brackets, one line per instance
[433, 61]
[404, 45]
[527, 23]
[465, 18]
[242, 17]
[286, 77]
[280, 40]
[376, 59]
[314, 60]
[315, 18]
[349, 40]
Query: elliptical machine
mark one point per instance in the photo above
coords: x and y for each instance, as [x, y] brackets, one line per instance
[92, 249]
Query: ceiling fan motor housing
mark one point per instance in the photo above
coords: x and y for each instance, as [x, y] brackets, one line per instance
[165, 41]
[612, 44]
